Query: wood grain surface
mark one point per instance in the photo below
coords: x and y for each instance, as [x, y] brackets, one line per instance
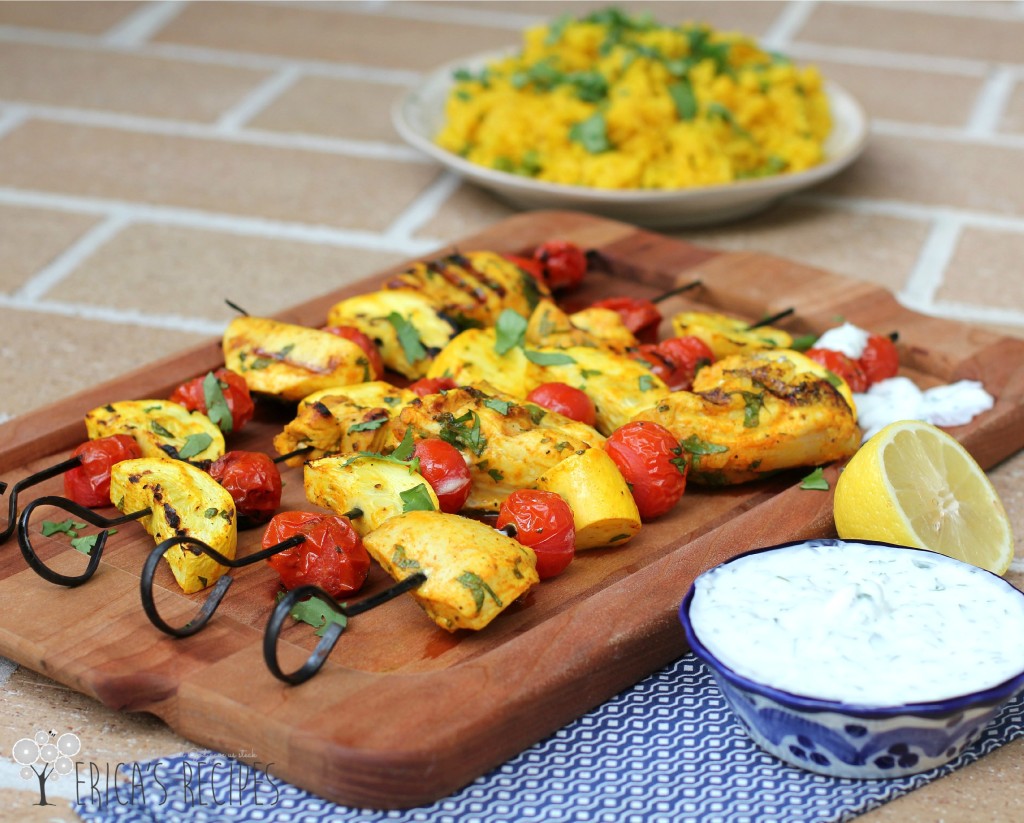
[404, 713]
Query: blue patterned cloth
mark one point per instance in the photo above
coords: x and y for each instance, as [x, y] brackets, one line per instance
[665, 751]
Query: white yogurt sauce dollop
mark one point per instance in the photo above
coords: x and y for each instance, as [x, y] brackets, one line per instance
[849, 339]
[858, 623]
[899, 399]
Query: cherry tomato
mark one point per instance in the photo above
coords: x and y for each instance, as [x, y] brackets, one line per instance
[686, 355]
[445, 469]
[566, 400]
[656, 361]
[89, 483]
[879, 360]
[652, 461]
[431, 385]
[376, 362]
[842, 366]
[233, 388]
[544, 522]
[332, 556]
[532, 267]
[564, 263]
[254, 483]
[639, 316]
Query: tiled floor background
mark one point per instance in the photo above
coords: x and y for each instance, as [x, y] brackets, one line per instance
[157, 157]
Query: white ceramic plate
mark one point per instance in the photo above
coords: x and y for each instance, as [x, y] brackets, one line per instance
[419, 114]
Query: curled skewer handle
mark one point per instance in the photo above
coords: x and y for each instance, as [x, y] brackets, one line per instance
[316, 659]
[213, 599]
[276, 623]
[89, 516]
[24, 483]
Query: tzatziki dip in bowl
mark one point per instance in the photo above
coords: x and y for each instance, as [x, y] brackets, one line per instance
[855, 658]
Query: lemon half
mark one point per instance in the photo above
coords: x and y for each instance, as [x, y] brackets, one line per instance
[914, 485]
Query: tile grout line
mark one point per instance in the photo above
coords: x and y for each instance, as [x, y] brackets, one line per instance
[427, 13]
[258, 99]
[142, 24]
[72, 257]
[394, 151]
[122, 317]
[10, 118]
[991, 102]
[424, 207]
[977, 314]
[789, 22]
[920, 131]
[854, 56]
[932, 262]
[206, 56]
[912, 211]
[195, 130]
[216, 221]
[270, 62]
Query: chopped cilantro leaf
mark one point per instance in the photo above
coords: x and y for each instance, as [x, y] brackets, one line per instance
[408, 337]
[417, 499]
[479, 589]
[216, 404]
[194, 444]
[510, 331]
[548, 358]
[815, 481]
[591, 133]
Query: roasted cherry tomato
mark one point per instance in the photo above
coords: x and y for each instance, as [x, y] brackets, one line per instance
[652, 461]
[445, 469]
[89, 483]
[841, 365]
[565, 263]
[640, 316]
[566, 400]
[879, 360]
[375, 361]
[254, 483]
[431, 385]
[543, 521]
[685, 355]
[332, 556]
[230, 388]
[532, 267]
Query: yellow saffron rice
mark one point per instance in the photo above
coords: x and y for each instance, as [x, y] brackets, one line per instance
[618, 101]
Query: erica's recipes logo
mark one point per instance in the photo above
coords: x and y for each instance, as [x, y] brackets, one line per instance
[46, 756]
[183, 781]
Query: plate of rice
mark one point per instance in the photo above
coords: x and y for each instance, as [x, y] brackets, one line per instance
[618, 115]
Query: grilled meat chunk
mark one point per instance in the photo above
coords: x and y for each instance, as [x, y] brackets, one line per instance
[507, 444]
[289, 361]
[762, 414]
[348, 419]
[726, 335]
[420, 309]
[473, 571]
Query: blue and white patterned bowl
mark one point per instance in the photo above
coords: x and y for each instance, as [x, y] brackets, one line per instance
[847, 740]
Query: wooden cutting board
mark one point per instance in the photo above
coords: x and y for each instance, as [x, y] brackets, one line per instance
[404, 713]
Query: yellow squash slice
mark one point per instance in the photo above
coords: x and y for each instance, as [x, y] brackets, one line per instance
[602, 506]
[160, 427]
[184, 501]
[379, 488]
